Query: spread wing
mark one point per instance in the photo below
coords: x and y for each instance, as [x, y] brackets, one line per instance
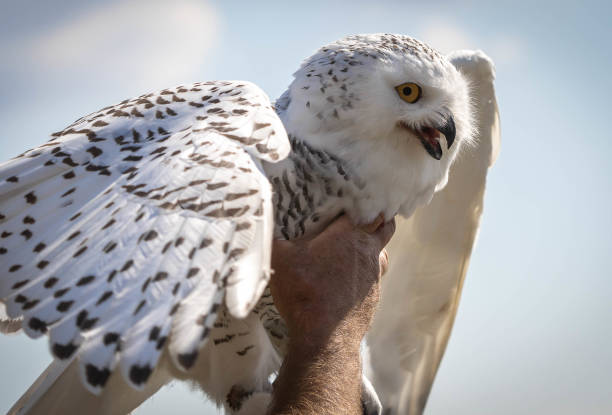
[429, 255]
[123, 234]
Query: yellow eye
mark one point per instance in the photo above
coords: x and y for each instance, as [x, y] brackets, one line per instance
[409, 92]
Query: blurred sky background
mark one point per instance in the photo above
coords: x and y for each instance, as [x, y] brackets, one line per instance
[534, 330]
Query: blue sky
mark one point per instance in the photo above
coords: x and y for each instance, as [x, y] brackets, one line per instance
[533, 333]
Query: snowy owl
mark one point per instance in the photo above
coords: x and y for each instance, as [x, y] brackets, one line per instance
[139, 238]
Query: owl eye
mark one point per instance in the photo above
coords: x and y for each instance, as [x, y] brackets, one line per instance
[409, 92]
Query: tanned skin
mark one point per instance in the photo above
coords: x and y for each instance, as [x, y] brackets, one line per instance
[327, 290]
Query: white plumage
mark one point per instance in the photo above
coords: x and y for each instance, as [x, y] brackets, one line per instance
[139, 238]
[430, 254]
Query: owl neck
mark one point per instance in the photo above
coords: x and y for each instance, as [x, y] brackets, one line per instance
[311, 187]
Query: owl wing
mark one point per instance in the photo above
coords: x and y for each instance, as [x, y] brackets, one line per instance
[429, 254]
[121, 236]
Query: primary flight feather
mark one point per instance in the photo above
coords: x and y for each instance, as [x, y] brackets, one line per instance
[139, 238]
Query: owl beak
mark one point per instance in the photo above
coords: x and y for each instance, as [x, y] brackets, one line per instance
[430, 136]
[449, 131]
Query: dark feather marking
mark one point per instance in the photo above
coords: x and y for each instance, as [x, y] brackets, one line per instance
[96, 377]
[110, 338]
[234, 253]
[187, 359]
[19, 284]
[192, 272]
[244, 351]
[39, 247]
[64, 351]
[154, 333]
[94, 151]
[160, 276]
[140, 374]
[30, 304]
[30, 198]
[69, 161]
[85, 280]
[109, 223]
[83, 322]
[146, 284]
[64, 306]
[148, 236]
[161, 342]
[140, 306]
[104, 297]
[79, 252]
[61, 293]
[127, 265]
[228, 338]
[109, 247]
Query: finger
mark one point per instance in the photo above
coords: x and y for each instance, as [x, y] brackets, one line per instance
[384, 233]
[373, 227]
[383, 261]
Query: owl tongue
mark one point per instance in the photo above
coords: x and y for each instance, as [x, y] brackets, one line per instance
[430, 139]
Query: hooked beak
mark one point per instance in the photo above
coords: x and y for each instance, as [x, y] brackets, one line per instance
[430, 136]
[449, 131]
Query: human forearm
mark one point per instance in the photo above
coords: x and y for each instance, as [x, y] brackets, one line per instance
[308, 382]
[326, 289]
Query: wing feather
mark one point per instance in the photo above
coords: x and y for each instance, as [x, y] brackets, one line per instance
[124, 233]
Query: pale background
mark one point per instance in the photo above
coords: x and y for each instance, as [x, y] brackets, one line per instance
[534, 330]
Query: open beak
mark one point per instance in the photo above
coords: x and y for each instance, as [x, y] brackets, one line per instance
[430, 136]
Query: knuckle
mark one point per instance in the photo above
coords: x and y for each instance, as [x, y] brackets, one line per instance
[384, 261]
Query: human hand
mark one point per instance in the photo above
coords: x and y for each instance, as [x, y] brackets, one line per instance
[326, 289]
[329, 286]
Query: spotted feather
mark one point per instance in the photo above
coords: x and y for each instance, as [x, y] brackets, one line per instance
[123, 233]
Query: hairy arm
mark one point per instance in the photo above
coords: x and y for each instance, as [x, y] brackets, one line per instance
[327, 290]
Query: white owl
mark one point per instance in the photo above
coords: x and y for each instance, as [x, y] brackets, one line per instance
[139, 238]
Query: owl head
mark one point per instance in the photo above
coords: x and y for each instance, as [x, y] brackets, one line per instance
[392, 107]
